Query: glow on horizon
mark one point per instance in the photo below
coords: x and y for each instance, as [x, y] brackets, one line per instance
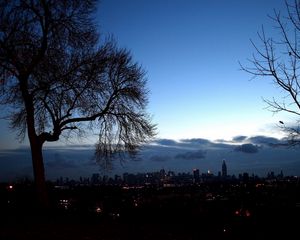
[223, 132]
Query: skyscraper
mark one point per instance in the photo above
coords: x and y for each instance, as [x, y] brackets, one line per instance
[224, 169]
[196, 173]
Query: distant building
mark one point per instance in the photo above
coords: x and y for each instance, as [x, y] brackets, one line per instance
[162, 173]
[196, 174]
[280, 175]
[95, 178]
[245, 177]
[224, 169]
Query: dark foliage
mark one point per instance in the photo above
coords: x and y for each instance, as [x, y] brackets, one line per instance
[57, 78]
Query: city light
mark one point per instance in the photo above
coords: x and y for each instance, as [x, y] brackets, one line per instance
[242, 213]
[98, 210]
[64, 203]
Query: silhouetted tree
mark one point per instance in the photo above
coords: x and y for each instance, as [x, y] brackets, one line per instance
[56, 78]
[279, 59]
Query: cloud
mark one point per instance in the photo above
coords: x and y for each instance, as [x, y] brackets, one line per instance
[263, 140]
[254, 140]
[200, 141]
[247, 148]
[160, 158]
[239, 138]
[69, 147]
[166, 142]
[191, 155]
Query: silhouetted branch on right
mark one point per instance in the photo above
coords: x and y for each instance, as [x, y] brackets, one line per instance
[279, 60]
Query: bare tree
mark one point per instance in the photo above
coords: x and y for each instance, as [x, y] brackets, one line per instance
[279, 59]
[56, 78]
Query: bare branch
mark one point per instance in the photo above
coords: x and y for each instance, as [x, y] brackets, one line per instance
[61, 78]
[279, 60]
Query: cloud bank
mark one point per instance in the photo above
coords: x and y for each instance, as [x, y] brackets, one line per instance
[247, 148]
[255, 154]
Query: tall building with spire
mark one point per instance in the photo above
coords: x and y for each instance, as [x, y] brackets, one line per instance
[224, 169]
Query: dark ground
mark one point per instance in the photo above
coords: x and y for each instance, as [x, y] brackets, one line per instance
[267, 224]
[178, 214]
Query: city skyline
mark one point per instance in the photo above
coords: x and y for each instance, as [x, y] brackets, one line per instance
[149, 119]
[257, 155]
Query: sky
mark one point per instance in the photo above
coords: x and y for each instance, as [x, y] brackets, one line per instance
[206, 108]
[190, 50]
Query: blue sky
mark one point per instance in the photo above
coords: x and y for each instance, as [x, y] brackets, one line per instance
[190, 50]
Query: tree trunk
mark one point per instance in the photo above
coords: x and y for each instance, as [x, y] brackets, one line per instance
[39, 171]
[35, 144]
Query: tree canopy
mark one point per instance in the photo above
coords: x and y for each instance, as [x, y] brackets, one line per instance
[57, 77]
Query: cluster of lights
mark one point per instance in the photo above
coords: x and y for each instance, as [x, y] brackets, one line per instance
[115, 215]
[65, 203]
[135, 203]
[242, 213]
